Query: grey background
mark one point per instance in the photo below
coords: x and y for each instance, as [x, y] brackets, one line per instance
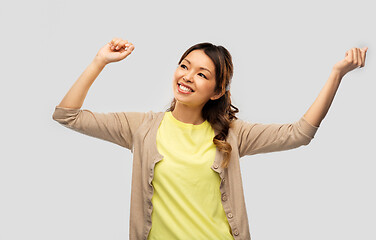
[59, 184]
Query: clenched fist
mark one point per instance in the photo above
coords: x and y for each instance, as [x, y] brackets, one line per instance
[117, 49]
[354, 58]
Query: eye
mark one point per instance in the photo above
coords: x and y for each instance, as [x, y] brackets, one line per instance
[203, 75]
[183, 66]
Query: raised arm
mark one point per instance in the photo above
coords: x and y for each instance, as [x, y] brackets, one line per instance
[113, 51]
[354, 58]
[116, 127]
[254, 138]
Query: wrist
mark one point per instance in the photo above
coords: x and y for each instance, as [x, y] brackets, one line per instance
[99, 61]
[338, 73]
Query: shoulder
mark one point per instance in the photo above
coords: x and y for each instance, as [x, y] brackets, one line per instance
[235, 129]
[152, 118]
[145, 116]
[237, 124]
[155, 115]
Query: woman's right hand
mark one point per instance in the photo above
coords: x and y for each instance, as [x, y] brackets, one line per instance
[117, 49]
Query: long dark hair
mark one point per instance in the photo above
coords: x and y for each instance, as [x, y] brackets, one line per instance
[220, 112]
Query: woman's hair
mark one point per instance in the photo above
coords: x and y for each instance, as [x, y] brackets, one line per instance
[220, 112]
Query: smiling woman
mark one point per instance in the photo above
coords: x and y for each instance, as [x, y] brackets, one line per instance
[207, 70]
[186, 178]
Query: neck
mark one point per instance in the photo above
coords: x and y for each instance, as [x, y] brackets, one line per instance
[187, 114]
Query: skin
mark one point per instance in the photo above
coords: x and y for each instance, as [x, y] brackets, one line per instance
[188, 107]
[111, 52]
[354, 58]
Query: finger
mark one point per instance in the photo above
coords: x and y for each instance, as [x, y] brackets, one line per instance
[127, 45]
[130, 47]
[113, 41]
[120, 44]
[123, 44]
[359, 54]
[128, 51]
[363, 56]
[349, 55]
[355, 56]
[116, 43]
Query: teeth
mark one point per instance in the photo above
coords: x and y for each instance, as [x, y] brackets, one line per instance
[184, 88]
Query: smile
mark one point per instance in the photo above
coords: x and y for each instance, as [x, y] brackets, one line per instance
[184, 89]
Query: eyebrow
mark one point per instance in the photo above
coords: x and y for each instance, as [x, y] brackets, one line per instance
[200, 67]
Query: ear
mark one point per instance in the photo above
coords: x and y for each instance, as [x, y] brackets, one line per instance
[215, 97]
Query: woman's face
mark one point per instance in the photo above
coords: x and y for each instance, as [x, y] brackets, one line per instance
[194, 80]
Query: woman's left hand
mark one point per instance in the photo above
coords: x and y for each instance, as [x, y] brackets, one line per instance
[354, 58]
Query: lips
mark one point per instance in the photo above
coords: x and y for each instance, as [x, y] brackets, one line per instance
[185, 86]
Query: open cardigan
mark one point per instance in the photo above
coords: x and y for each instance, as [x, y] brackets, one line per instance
[137, 132]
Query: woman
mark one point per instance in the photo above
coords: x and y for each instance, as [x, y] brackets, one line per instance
[186, 181]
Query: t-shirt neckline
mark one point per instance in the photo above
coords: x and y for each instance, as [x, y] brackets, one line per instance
[185, 125]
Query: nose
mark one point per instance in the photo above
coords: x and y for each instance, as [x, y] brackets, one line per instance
[187, 78]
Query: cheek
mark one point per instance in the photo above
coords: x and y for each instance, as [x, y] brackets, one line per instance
[208, 87]
[177, 75]
[176, 78]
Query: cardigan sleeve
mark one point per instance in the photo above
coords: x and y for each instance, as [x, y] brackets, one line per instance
[115, 127]
[254, 138]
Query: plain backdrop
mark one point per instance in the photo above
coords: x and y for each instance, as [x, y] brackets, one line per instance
[59, 184]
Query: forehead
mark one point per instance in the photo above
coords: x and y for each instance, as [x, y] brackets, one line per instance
[199, 58]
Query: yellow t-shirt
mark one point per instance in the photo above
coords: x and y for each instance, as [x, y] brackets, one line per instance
[187, 199]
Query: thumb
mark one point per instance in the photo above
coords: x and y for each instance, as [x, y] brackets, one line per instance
[129, 50]
[365, 48]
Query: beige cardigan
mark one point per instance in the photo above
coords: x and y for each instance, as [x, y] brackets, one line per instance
[137, 132]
